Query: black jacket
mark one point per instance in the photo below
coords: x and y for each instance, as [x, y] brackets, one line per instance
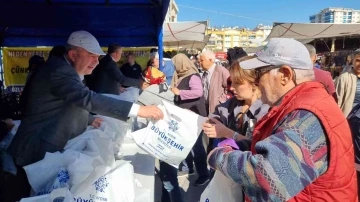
[131, 71]
[107, 77]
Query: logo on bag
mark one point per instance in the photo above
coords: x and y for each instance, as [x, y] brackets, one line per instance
[101, 184]
[59, 199]
[173, 125]
[63, 177]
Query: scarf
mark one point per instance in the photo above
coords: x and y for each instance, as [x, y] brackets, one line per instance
[183, 68]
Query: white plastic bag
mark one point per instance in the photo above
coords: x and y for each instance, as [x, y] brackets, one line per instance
[115, 129]
[222, 189]
[108, 184]
[172, 138]
[59, 170]
[95, 144]
[50, 167]
[57, 195]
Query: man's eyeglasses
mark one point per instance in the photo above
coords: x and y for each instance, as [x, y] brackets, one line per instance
[263, 70]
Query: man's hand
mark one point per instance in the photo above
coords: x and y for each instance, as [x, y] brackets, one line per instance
[176, 91]
[150, 112]
[122, 89]
[97, 122]
[215, 129]
[9, 123]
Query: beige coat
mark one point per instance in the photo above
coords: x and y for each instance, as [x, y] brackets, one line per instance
[218, 85]
[345, 86]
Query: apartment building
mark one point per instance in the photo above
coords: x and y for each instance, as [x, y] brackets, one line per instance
[172, 13]
[336, 15]
[225, 38]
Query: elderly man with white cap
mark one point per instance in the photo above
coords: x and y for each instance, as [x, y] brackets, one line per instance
[59, 104]
[302, 149]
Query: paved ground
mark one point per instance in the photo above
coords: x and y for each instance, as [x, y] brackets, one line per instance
[190, 192]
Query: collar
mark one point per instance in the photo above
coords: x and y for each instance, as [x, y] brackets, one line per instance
[112, 58]
[211, 69]
[292, 92]
[254, 108]
[80, 76]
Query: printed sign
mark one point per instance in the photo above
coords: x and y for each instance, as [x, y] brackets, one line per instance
[16, 63]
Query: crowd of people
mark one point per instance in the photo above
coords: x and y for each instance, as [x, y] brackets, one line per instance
[277, 125]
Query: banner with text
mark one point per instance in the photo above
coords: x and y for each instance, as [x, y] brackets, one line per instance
[16, 63]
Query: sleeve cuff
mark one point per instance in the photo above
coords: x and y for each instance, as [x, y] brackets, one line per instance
[134, 110]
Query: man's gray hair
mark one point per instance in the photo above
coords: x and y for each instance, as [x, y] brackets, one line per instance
[302, 75]
[311, 49]
[209, 55]
[70, 47]
[357, 52]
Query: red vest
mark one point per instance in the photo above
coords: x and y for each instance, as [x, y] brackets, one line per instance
[339, 183]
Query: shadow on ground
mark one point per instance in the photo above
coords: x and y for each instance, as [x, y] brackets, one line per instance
[190, 192]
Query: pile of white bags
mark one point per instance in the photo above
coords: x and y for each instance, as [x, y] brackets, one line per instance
[87, 168]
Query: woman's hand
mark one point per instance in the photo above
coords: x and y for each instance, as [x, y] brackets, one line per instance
[215, 129]
[176, 91]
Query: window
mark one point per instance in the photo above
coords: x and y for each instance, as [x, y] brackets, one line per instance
[252, 37]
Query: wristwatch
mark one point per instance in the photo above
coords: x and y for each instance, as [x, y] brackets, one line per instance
[235, 135]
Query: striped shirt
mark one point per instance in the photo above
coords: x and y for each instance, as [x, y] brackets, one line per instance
[286, 162]
[357, 93]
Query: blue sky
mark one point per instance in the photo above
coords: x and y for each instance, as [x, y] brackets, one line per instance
[263, 11]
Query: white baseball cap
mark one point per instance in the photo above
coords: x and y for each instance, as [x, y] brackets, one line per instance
[85, 40]
[281, 51]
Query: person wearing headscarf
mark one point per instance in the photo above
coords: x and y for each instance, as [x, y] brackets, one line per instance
[187, 86]
[154, 88]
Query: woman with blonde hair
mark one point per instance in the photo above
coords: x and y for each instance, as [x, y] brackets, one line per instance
[235, 119]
